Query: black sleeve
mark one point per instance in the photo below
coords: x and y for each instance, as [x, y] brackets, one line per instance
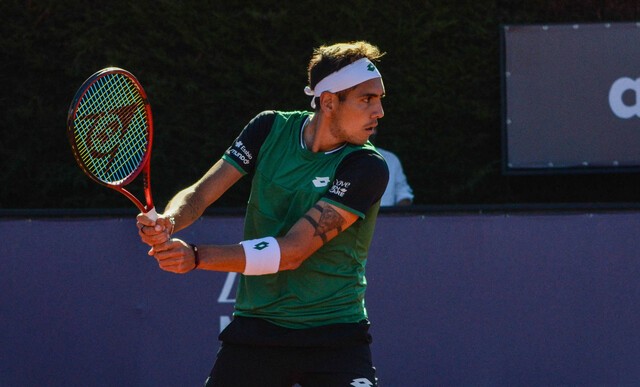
[360, 181]
[243, 153]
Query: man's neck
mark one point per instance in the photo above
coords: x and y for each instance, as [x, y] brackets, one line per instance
[317, 135]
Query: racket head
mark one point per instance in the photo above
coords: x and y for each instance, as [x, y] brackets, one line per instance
[110, 127]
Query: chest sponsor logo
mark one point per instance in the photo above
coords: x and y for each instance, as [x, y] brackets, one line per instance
[320, 181]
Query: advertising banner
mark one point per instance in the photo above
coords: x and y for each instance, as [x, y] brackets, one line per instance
[570, 97]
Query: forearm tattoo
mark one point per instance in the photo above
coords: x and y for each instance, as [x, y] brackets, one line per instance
[329, 220]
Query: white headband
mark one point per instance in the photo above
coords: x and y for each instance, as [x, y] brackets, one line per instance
[353, 74]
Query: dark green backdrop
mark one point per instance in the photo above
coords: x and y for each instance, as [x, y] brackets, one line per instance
[210, 66]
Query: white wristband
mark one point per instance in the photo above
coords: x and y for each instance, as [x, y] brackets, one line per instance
[262, 256]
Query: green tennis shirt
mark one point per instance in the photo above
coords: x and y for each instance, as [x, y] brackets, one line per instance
[288, 180]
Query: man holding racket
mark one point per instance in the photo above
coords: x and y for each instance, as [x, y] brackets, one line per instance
[316, 187]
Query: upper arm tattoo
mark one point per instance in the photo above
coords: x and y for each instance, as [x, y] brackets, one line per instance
[329, 220]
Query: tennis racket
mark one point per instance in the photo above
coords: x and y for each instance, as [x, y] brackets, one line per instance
[111, 130]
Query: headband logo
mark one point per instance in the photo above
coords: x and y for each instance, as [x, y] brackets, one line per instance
[348, 76]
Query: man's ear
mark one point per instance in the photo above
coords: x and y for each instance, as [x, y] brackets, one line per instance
[328, 102]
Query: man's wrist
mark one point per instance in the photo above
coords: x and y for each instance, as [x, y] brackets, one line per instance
[172, 221]
[196, 255]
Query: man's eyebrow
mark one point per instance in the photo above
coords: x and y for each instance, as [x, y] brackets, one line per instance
[373, 95]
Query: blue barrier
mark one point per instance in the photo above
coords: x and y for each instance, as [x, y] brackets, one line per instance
[454, 299]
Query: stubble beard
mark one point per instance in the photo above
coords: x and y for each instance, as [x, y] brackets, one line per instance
[337, 131]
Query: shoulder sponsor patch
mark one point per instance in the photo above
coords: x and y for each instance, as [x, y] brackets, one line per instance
[240, 152]
[339, 187]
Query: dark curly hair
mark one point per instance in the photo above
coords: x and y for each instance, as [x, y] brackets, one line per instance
[329, 59]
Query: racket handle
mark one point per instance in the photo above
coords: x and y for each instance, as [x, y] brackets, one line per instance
[152, 214]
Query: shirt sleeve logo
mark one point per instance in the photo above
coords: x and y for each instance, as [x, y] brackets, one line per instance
[240, 152]
[339, 187]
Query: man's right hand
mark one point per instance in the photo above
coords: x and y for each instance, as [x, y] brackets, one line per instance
[153, 232]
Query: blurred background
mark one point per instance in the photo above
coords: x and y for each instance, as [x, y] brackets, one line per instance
[208, 67]
[493, 292]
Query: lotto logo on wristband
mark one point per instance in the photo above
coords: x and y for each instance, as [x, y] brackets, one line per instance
[261, 245]
[262, 256]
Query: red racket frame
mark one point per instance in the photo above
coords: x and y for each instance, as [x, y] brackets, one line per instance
[144, 165]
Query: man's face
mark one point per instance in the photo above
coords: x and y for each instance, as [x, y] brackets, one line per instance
[357, 116]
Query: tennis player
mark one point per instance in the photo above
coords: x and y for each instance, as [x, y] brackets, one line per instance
[316, 186]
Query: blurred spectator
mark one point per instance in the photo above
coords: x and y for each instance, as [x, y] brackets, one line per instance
[398, 192]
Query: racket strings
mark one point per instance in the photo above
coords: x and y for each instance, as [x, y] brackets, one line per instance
[120, 94]
[112, 128]
[99, 99]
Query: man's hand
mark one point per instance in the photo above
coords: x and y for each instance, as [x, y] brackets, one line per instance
[154, 232]
[175, 256]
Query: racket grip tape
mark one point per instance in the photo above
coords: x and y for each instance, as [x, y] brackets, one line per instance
[152, 214]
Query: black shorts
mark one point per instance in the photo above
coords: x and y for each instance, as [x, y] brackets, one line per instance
[257, 353]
